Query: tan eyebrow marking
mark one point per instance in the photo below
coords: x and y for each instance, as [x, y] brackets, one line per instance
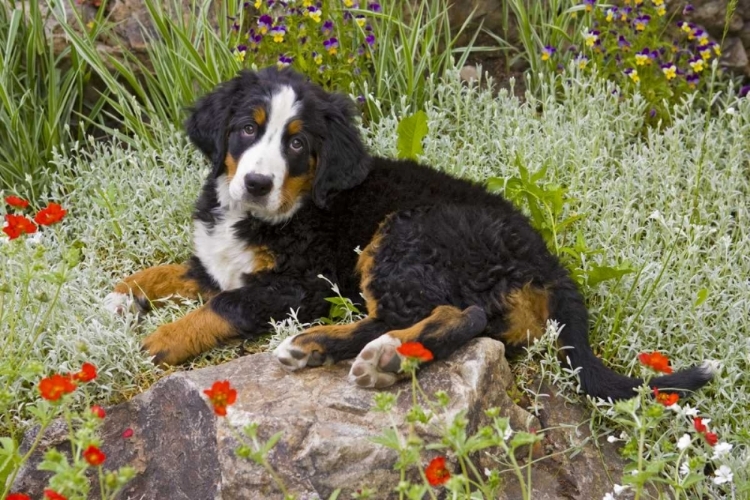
[294, 127]
[259, 114]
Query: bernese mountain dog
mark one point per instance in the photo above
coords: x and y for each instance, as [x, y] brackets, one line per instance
[293, 195]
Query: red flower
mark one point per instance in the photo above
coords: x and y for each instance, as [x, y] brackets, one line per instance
[127, 433]
[94, 456]
[221, 396]
[87, 373]
[16, 225]
[98, 411]
[699, 425]
[667, 399]
[50, 214]
[711, 438]
[415, 350]
[18, 496]
[15, 201]
[54, 387]
[656, 361]
[53, 495]
[436, 472]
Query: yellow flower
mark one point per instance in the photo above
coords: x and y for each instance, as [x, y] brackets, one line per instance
[642, 60]
[306, 3]
[670, 71]
[634, 76]
[582, 63]
[661, 10]
[706, 53]
[348, 3]
[610, 15]
[698, 65]
[278, 38]
[703, 40]
[361, 22]
[658, 2]
[319, 59]
[239, 56]
[333, 51]
[717, 49]
[315, 16]
[258, 3]
[590, 39]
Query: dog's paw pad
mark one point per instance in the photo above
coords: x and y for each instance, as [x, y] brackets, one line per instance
[118, 303]
[378, 364]
[294, 356]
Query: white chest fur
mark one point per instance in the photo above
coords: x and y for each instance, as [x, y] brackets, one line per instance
[225, 257]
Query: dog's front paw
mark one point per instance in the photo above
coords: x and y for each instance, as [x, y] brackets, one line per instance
[378, 364]
[294, 353]
[118, 303]
[166, 346]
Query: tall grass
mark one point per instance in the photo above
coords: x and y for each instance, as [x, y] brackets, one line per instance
[41, 94]
[416, 42]
[539, 24]
[187, 55]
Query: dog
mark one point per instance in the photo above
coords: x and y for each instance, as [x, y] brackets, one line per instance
[292, 193]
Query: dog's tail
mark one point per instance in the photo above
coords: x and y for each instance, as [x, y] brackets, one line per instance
[567, 308]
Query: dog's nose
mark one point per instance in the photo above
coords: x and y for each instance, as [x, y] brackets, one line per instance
[258, 184]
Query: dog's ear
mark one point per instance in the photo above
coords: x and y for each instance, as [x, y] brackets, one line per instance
[209, 118]
[342, 160]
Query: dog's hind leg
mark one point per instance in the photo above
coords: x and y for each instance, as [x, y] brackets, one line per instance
[149, 285]
[328, 343]
[446, 328]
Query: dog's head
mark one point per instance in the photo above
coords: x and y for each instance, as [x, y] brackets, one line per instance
[275, 140]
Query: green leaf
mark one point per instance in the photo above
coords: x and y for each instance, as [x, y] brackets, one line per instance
[702, 296]
[411, 130]
[597, 273]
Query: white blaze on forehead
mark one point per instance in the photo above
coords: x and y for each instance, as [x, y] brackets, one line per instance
[265, 157]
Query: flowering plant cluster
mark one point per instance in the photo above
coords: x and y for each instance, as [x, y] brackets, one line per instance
[658, 457]
[17, 224]
[331, 41]
[69, 478]
[638, 45]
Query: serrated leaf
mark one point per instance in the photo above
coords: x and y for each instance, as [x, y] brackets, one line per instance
[411, 130]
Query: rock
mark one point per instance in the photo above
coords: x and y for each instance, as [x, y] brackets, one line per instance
[712, 15]
[734, 56]
[468, 74]
[179, 446]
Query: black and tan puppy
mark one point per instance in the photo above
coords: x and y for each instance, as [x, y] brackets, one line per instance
[293, 193]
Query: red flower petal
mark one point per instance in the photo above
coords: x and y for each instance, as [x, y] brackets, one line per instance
[699, 425]
[17, 202]
[98, 411]
[436, 472]
[665, 398]
[655, 360]
[16, 225]
[94, 456]
[711, 438]
[415, 350]
[87, 373]
[54, 387]
[18, 496]
[50, 214]
[53, 495]
[127, 433]
[221, 395]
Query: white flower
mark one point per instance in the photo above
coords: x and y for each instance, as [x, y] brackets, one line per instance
[675, 408]
[507, 433]
[487, 472]
[684, 469]
[720, 450]
[684, 442]
[612, 439]
[689, 411]
[619, 489]
[608, 496]
[731, 111]
[723, 475]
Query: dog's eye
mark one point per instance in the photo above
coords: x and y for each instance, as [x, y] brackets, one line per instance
[296, 144]
[249, 130]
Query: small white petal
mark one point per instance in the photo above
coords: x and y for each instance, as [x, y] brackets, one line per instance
[720, 450]
[619, 489]
[731, 111]
[684, 442]
[612, 439]
[684, 469]
[608, 496]
[723, 475]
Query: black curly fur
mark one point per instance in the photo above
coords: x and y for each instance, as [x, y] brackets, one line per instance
[443, 241]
